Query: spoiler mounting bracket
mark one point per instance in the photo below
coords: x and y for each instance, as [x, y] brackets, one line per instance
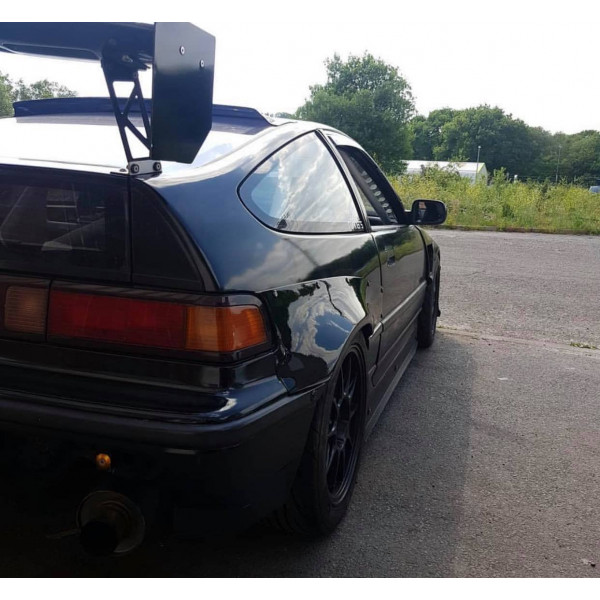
[125, 71]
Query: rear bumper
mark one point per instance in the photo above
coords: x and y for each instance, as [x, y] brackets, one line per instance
[244, 465]
[186, 434]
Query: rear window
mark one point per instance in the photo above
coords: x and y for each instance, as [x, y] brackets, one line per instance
[94, 140]
[64, 225]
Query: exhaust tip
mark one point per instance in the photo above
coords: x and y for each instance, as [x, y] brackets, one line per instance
[98, 538]
[109, 523]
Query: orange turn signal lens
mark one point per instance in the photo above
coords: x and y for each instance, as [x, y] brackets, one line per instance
[224, 329]
[25, 309]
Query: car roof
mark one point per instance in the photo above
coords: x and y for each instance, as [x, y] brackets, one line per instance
[82, 134]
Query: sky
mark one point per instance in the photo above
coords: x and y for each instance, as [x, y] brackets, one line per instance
[537, 61]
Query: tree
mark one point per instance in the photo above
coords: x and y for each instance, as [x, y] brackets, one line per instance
[370, 101]
[6, 95]
[12, 91]
[543, 165]
[505, 142]
[580, 157]
[427, 132]
[42, 89]
[455, 135]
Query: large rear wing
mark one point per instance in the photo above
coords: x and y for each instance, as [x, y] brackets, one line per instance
[182, 57]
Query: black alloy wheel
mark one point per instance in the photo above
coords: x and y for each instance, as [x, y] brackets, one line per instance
[344, 429]
[325, 480]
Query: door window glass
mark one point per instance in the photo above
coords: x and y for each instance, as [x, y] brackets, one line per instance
[378, 207]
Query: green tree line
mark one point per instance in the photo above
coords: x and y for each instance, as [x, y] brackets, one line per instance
[15, 90]
[372, 102]
[507, 143]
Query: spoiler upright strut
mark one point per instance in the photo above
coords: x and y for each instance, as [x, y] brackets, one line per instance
[182, 57]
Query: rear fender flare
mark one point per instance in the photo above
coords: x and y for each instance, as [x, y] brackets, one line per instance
[315, 323]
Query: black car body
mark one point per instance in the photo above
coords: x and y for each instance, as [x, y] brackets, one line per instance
[288, 225]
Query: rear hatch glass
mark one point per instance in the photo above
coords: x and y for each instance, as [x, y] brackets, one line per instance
[63, 223]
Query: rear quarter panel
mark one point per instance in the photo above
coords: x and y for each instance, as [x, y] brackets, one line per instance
[319, 289]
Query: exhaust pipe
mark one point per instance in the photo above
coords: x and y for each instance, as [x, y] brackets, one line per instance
[109, 523]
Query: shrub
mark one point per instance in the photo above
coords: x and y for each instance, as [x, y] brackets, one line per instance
[503, 204]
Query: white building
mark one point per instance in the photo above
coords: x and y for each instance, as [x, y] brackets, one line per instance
[464, 169]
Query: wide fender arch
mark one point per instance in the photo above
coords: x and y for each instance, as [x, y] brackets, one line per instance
[316, 322]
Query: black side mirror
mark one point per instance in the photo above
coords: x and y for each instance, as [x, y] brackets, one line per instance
[428, 212]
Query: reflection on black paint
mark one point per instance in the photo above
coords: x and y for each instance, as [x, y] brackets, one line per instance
[332, 331]
[314, 321]
[280, 303]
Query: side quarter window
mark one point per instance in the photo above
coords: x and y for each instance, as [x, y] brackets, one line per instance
[301, 189]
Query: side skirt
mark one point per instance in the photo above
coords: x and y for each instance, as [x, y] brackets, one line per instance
[373, 418]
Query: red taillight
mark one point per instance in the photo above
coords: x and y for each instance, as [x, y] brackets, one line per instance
[154, 323]
[118, 320]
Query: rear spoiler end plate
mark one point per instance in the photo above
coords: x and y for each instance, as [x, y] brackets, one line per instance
[182, 58]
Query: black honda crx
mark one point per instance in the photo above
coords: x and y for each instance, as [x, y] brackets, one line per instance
[222, 320]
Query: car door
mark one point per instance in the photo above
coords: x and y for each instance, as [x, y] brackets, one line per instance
[401, 251]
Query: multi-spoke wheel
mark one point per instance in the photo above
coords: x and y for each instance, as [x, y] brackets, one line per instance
[326, 477]
[344, 429]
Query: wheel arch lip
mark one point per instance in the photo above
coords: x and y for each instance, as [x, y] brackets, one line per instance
[432, 254]
[437, 254]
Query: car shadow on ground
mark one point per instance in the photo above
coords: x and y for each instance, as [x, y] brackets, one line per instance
[403, 519]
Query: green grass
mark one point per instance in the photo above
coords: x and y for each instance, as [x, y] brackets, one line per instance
[586, 346]
[504, 205]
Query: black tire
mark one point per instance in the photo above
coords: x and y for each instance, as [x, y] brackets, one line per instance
[325, 480]
[429, 313]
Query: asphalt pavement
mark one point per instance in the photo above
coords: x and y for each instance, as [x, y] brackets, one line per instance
[532, 286]
[485, 462]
